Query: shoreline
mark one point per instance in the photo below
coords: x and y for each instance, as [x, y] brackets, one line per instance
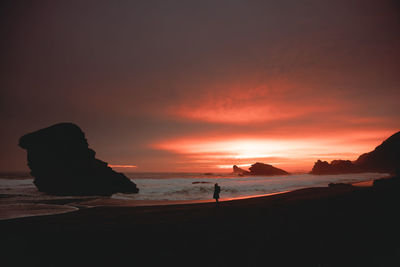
[75, 205]
[342, 225]
[111, 202]
[116, 202]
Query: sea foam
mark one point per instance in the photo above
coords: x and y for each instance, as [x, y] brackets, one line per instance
[202, 187]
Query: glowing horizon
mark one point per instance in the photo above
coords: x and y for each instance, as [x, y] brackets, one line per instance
[292, 154]
[122, 166]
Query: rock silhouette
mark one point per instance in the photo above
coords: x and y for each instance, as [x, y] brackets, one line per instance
[266, 169]
[385, 158]
[260, 169]
[240, 171]
[335, 167]
[63, 164]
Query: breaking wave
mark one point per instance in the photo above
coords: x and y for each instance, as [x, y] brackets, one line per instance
[202, 187]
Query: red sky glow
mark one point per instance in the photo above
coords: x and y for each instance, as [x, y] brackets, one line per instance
[293, 154]
[203, 85]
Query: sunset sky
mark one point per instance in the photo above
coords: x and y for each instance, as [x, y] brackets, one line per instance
[202, 85]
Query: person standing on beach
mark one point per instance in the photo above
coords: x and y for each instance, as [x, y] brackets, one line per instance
[217, 189]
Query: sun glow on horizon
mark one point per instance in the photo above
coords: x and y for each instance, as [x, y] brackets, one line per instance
[122, 166]
[249, 148]
[230, 166]
[289, 153]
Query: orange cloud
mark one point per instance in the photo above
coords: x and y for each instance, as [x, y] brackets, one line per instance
[220, 112]
[240, 105]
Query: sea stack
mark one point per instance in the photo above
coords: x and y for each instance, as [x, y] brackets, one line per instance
[240, 171]
[63, 164]
[259, 168]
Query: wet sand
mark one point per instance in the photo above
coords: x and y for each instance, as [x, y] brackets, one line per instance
[341, 225]
[8, 211]
[113, 202]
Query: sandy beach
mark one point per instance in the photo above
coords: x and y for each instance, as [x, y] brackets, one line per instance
[341, 225]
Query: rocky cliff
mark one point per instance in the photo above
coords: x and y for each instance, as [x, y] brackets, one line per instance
[385, 158]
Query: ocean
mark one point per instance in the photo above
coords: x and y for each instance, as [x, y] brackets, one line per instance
[19, 196]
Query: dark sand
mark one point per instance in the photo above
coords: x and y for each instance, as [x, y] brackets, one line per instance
[341, 225]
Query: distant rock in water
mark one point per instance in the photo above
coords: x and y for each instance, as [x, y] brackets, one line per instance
[259, 169]
[63, 164]
[385, 158]
[335, 167]
[240, 171]
[266, 169]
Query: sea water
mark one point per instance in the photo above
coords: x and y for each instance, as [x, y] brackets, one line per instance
[19, 196]
[197, 186]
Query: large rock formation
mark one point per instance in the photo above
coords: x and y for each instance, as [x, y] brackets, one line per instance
[240, 171]
[266, 169]
[260, 169]
[385, 158]
[63, 164]
[335, 167]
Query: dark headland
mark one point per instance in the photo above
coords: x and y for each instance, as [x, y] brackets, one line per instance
[385, 158]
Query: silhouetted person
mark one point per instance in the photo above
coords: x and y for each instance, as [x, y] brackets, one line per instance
[217, 189]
